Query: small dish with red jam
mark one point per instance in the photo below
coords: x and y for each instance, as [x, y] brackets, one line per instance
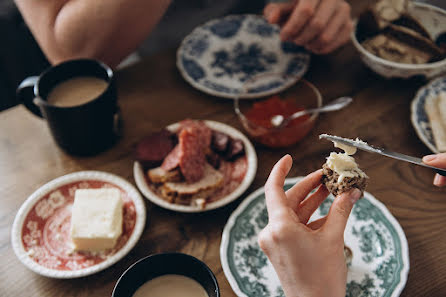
[256, 114]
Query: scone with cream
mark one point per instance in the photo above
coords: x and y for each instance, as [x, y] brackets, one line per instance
[341, 173]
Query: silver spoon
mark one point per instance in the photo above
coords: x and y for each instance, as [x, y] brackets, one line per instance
[279, 121]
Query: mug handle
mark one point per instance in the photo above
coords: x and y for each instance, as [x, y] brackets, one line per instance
[25, 93]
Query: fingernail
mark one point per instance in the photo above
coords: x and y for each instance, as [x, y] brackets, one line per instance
[437, 180]
[355, 195]
[429, 158]
[289, 156]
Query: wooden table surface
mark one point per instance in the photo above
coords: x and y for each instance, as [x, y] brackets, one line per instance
[152, 94]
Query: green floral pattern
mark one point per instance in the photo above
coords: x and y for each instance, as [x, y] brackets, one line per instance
[379, 267]
[372, 242]
[325, 206]
[364, 289]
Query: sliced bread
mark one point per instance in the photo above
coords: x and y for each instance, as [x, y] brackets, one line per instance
[184, 193]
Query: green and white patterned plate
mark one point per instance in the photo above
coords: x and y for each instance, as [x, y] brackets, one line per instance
[380, 261]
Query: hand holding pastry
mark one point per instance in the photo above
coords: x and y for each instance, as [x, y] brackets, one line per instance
[308, 257]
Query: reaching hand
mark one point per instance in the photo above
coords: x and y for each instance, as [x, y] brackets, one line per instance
[320, 26]
[308, 257]
[438, 160]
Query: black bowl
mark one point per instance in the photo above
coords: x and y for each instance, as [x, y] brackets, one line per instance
[166, 263]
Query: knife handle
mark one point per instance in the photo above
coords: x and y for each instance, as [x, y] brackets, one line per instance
[441, 172]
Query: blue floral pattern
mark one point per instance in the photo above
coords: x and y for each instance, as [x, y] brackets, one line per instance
[193, 69]
[197, 44]
[243, 61]
[419, 118]
[227, 27]
[220, 55]
[261, 27]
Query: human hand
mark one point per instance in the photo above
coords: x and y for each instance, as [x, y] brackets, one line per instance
[307, 257]
[438, 160]
[320, 26]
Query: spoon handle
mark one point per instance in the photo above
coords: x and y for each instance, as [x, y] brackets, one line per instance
[332, 106]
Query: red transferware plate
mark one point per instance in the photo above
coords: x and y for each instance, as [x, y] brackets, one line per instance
[41, 230]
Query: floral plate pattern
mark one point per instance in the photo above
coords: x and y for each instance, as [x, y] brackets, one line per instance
[419, 118]
[219, 56]
[41, 229]
[380, 261]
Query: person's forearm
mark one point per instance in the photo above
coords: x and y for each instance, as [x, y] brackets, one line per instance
[105, 30]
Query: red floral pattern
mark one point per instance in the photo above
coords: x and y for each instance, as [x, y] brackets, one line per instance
[46, 229]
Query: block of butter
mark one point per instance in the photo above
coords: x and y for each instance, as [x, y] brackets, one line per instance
[96, 219]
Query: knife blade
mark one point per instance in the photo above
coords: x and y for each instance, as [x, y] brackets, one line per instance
[377, 150]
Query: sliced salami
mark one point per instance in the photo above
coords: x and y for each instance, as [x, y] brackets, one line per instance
[152, 149]
[220, 141]
[203, 131]
[172, 160]
[193, 158]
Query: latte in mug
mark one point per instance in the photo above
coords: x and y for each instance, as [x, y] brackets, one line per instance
[76, 91]
[171, 285]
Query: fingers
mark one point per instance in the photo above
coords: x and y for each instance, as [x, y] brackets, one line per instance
[299, 191]
[438, 160]
[275, 13]
[318, 23]
[317, 224]
[274, 194]
[439, 180]
[332, 30]
[337, 33]
[341, 38]
[310, 204]
[340, 211]
[302, 13]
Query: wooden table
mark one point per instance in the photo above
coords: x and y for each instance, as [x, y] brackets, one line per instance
[152, 94]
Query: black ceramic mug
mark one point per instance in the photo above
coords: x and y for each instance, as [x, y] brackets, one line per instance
[157, 265]
[84, 129]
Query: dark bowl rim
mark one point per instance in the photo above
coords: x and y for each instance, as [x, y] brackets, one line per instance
[146, 258]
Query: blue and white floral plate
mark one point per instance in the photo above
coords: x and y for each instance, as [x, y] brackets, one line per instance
[379, 266]
[419, 118]
[220, 55]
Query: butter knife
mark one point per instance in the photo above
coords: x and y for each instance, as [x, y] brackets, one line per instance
[372, 149]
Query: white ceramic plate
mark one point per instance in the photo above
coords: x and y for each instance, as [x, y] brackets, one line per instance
[379, 266]
[419, 118]
[222, 54]
[40, 233]
[251, 157]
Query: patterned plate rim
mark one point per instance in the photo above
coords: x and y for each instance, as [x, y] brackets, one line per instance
[16, 233]
[231, 221]
[251, 157]
[414, 116]
[204, 89]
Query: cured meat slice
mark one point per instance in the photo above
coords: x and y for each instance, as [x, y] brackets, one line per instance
[203, 131]
[194, 140]
[151, 150]
[235, 149]
[220, 141]
[173, 159]
[192, 157]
